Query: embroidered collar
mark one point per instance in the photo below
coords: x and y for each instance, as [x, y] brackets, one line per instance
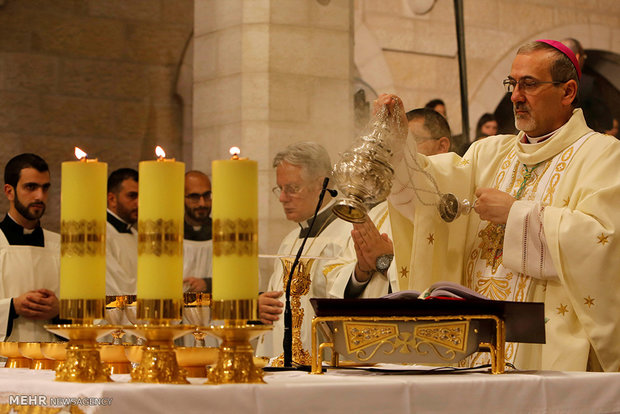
[566, 135]
[17, 235]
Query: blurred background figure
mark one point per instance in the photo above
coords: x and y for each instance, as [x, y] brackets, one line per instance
[437, 105]
[487, 126]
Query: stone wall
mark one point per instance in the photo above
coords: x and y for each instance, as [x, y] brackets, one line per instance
[99, 74]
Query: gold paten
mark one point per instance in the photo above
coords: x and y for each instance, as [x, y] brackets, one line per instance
[160, 311]
[231, 310]
[82, 363]
[235, 364]
[158, 363]
[445, 337]
[15, 359]
[82, 311]
[32, 350]
[300, 286]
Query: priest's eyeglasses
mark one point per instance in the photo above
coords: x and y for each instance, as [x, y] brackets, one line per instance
[290, 190]
[526, 85]
[195, 197]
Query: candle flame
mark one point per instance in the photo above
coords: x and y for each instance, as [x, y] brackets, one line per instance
[159, 151]
[234, 151]
[79, 154]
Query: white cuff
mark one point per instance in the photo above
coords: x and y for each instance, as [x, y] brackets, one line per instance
[525, 244]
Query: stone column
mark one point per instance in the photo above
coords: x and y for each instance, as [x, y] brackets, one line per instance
[268, 73]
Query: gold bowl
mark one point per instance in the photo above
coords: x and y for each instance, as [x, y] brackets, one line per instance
[54, 350]
[32, 350]
[14, 358]
[195, 360]
[115, 358]
[134, 353]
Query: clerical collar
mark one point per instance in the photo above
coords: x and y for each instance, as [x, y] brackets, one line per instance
[535, 140]
[17, 235]
[118, 223]
[323, 219]
[197, 233]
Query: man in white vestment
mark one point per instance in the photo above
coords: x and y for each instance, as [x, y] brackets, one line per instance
[197, 243]
[300, 171]
[373, 272]
[197, 250]
[546, 211]
[29, 255]
[121, 234]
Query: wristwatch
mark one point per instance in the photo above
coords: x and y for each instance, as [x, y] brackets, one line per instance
[383, 262]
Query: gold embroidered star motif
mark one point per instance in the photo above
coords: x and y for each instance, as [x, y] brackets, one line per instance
[404, 272]
[562, 309]
[430, 238]
[464, 161]
[602, 239]
[589, 301]
[566, 201]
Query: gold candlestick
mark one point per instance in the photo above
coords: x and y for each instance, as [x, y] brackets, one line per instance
[236, 356]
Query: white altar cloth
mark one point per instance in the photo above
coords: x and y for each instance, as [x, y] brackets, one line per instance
[340, 391]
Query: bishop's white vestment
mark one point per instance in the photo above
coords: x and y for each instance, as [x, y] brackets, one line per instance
[559, 245]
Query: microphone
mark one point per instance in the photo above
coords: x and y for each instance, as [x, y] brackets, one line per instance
[287, 341]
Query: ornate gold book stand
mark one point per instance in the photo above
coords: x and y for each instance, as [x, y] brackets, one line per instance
[368, 331]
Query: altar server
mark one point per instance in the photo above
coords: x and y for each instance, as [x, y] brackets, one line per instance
[121, 233]
[29, 254]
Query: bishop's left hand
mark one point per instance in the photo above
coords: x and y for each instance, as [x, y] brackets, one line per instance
[493, 205]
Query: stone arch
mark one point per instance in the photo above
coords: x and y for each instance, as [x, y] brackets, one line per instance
[485, 96]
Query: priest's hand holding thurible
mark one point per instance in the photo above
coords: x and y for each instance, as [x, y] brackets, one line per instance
[493, 205]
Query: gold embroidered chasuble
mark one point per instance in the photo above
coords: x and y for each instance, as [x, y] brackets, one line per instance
[558, 247]
[312, 280]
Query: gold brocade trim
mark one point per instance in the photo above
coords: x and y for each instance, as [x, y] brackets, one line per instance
[82, 238]
[238, 236]
[82, 310]
[492, 245]
[450, 335]
[329, 268]
[160, 237]
[361, 335]
[161, 311]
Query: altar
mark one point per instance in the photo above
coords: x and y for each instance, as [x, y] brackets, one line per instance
[338, 391]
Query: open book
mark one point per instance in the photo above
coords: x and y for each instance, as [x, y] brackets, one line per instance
[449, 290]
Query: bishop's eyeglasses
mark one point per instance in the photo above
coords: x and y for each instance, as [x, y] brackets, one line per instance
[526, 85]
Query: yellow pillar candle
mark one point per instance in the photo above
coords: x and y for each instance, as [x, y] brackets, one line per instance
[235, 229]
[160, 229]
[82, 228]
